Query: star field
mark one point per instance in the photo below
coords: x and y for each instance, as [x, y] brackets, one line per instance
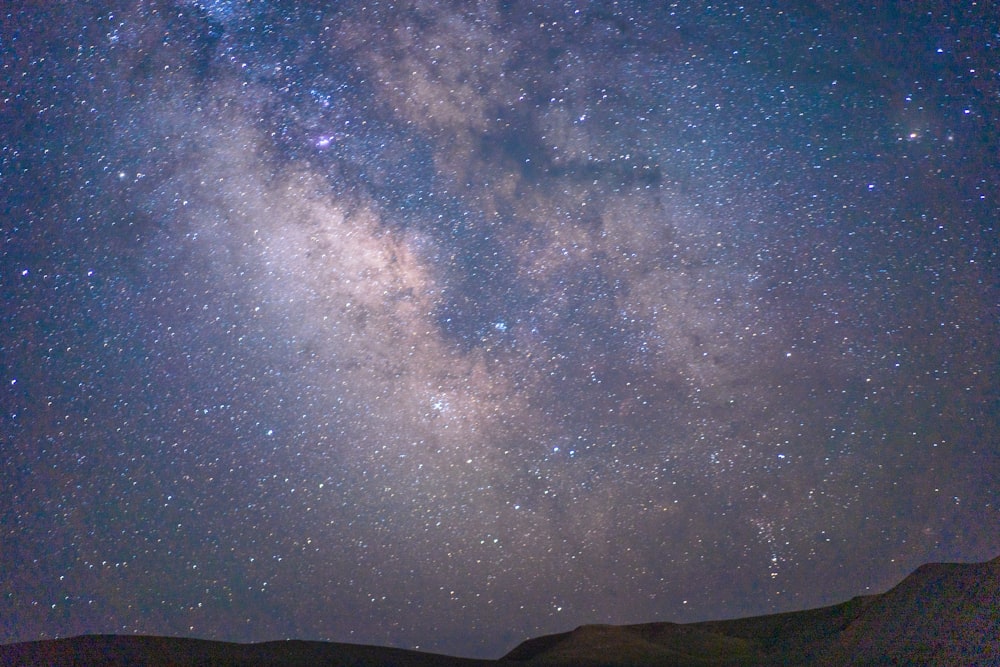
[439, 325]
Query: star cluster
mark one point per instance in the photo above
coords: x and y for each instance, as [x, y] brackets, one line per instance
[444, 325]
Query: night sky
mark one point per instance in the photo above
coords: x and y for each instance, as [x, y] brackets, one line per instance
[445, 325]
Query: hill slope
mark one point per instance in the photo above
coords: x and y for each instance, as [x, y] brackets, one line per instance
[942, 614]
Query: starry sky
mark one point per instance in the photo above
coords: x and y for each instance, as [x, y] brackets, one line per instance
[444, 325]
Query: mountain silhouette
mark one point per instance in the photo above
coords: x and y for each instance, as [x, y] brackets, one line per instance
[941, 614]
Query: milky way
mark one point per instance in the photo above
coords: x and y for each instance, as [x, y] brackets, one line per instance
[438, 325]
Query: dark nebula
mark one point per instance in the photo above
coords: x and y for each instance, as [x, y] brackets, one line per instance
[445, 325]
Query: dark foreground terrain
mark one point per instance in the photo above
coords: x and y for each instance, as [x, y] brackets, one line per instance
[942, 614]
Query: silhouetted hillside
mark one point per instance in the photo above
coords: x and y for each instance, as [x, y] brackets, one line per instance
[131, 650]
[942, 614]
